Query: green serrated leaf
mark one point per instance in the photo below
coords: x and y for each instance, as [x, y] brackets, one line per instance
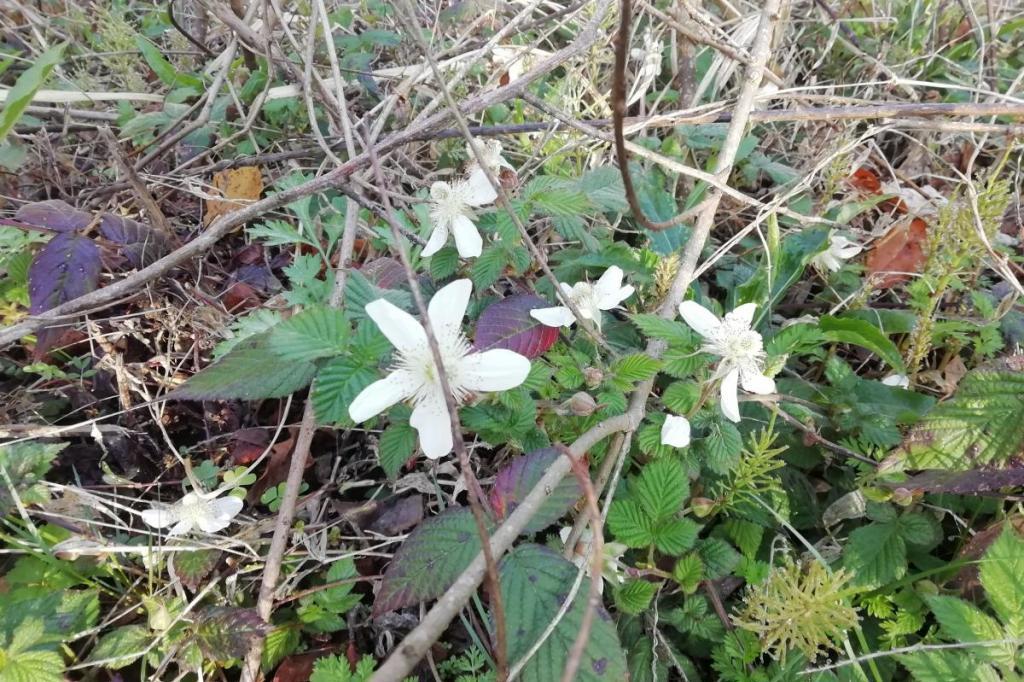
[534, 582]
[657, 327]
[337, 384]
[876, 554]
[634, 596]
[28, 657]
[633, 368]
[318, 332]
[121, 646]
[248, 372]
[661, 488]
[227, 632]
[945, 666]
[397, 443]
[166, 71]
[688, 572]
[982, 425]
[629, 524]
[555, 196]
[1002, 576]
[27, 464]
[444, 263]
[280, 642]
[966, 623]
[721, 447]
[719, 557]
[193, 567]
[681, 396]
[675, 536]
[488, 267]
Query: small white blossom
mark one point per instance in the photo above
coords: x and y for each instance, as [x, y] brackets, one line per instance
[839, 249]
[414, 376]
[897, 380]
[490, 155]
[613, 551]
[205, 510]
[451, 212]
[590, 299]
[740, 347]
[675, 431]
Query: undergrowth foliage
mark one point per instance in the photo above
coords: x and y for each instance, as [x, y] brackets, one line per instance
[809, 441]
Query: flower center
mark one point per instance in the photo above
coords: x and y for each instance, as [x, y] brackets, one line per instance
[737, 344]
[423, 370]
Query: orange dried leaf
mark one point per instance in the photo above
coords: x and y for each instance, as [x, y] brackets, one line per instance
[899, 253]
[237, 186]
[866, 181]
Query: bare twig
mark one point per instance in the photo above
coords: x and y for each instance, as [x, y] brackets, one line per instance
[142, 193]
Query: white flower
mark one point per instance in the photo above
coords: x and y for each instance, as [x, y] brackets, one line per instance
[206, 510]
[839, 249]
[613, 551]
[675, 431]
[739, 346]
[451, 211]
[589, 299]
[897, 380]
[490, 153]
[414, 375]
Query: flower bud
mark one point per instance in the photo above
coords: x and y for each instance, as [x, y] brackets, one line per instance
[702, 506]
[593, 377]
[581, 404]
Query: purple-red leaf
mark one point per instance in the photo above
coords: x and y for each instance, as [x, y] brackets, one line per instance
[140, 244]
[387, 273]
[507, 324]
[54, 214]
[226, 632]
[514, 483]
[429, 560]
[66, 268]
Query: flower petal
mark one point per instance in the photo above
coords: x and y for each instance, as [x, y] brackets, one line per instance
[467, 237]
[702, 320]
[430, 419]
[160, 517]
[438, 238]
[897, 380]
[558, 316]
[729, 403]
[477, 190]
[493, 370]
[402, 329]
[756, 382]
[181, 527]
[609, 283]
[382, 394]
[226, 507]
[212, 524]
[675, 431]
[744, 313]
[447, 308]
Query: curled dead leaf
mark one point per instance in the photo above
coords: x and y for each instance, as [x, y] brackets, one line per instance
[899, 253]
[237, 186]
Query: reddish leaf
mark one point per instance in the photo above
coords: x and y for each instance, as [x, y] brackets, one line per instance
[397, 515]
[901, 250]
[865, 180]
[507, 324]
[66, 268]
[514, 483]
[54, 214]
[247, 445]
[387, 273]
[299, 667]
[226, 632]
[429, 561]
[140, 244]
